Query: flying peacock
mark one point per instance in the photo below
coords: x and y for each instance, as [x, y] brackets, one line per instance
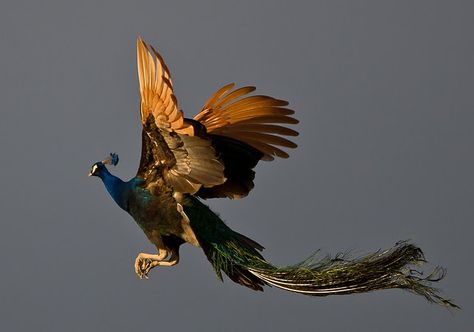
[213, 155]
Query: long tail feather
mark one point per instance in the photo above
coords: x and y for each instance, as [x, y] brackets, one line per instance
[344, 275]
[239, 258]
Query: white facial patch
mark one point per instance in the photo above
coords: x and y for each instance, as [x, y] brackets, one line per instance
[94, 168]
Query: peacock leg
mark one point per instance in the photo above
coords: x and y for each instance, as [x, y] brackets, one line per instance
[145, 262]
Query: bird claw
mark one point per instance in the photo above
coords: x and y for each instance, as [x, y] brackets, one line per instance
[143, 267]
[145, 262]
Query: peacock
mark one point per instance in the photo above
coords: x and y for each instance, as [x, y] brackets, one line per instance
[185, 161]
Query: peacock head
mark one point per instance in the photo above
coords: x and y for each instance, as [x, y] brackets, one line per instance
[99, 167]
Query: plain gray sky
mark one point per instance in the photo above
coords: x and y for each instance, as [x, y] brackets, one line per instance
[384, 92]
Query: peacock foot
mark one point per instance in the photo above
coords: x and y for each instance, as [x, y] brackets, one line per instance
[145, 262]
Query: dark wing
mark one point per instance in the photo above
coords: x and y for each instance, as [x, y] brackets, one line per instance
[244, 130]
[170, 151]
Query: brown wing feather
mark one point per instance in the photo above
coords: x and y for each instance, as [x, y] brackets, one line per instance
[233, 129]
[156, 90]
[254, 120]
[218, 94]
[185, 161]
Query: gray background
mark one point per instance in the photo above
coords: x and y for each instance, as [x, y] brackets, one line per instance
[383, 90]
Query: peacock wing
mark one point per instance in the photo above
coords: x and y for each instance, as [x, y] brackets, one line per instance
[257, 120]
[244, 129]
[170, 149]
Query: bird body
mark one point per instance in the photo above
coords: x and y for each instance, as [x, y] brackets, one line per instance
[213, 155]
[149, 207]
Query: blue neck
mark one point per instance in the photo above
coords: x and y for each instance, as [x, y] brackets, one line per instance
[118, 189]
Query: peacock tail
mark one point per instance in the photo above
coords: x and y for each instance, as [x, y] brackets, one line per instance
[239, 258]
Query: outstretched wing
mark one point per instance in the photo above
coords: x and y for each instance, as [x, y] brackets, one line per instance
[255, 120]
[170, 151]
[244, 130]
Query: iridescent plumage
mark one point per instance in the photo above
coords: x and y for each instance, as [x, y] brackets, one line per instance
[213, 155]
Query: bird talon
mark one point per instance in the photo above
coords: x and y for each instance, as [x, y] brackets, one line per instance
[143, 266]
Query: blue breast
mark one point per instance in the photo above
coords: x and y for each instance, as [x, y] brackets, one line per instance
[118, 189]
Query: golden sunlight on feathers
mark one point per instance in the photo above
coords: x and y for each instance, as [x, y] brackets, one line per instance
[214, 154]
[156, 90]
[189, 162]
[251, 119]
